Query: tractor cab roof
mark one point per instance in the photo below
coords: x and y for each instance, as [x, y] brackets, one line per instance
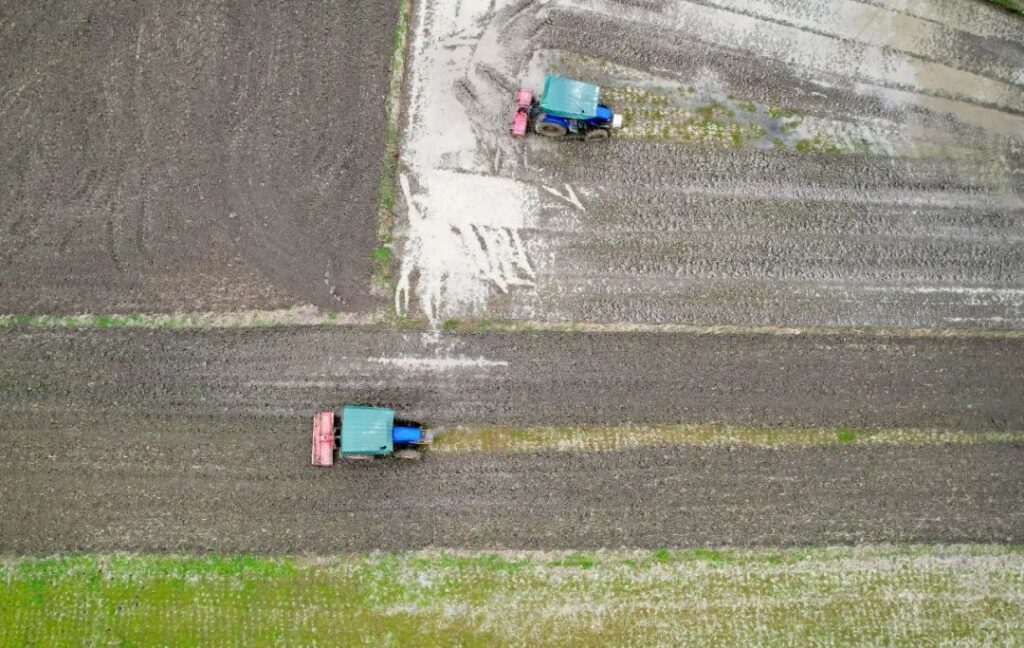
[366, 430]
[570, 98]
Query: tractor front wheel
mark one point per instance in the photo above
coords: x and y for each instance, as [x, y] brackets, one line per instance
[597, 135]
[549, 129]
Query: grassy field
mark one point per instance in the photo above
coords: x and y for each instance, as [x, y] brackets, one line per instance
[917, 595]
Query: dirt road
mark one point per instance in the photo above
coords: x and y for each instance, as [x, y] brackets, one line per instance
[198, 439]
[190, 155]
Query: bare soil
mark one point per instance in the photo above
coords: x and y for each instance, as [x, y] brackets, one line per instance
[190, 155]
[525, 378]
[199, 440]
[148, 483]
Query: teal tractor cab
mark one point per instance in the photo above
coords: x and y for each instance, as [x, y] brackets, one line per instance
[567, 108]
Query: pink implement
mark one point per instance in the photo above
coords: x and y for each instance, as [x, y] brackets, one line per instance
[323, 439]
[523, 101]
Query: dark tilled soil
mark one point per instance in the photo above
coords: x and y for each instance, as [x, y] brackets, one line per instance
[188, 155]
[526, 378]
[138, 484]
[182, 440]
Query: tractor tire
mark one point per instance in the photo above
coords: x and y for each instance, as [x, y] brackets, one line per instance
[549, 129]
[597, 135]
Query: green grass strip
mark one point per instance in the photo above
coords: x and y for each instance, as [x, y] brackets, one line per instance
[597, 439]
[388, 177]
[901, 596]
[1015, 6]
[299, 316]
[312, 316]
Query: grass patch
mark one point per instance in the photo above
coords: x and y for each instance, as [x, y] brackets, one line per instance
[450, 325]
[1016, 6]
[818, 144]
[843, 435]
[303, 315]
[389, 169]
[382, 265]
[598, 439]
[910, 595]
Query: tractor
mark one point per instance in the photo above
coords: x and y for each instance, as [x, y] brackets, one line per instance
[567, 108]
[363, 432]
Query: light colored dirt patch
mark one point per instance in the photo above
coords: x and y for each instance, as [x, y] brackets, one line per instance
[828, 164]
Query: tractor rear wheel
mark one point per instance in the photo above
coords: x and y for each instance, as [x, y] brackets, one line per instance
[549, 129]
[597, 135]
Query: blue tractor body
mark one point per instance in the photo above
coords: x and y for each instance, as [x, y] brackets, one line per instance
[573, 107]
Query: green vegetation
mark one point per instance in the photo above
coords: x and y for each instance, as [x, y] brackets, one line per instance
[598, 439]
[299, 316]
[1015, 6]
[845, 435]
[311, 316]
[916, 595]
[450, 325]
[818, 144]
[382, 265]
[389, 170]
[776, 112]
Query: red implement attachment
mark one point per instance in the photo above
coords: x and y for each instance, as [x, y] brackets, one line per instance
[523, 102]
[323, 439]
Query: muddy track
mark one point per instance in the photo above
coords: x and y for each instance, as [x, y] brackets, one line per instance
[198, 440]
[138, 483]
[521, 378]
[190, 156]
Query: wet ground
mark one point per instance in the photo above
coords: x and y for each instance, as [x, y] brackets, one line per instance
[838, 163]
[525, 378]
[190, 155]
[146, 483]
[193, 439]
[835, 163]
